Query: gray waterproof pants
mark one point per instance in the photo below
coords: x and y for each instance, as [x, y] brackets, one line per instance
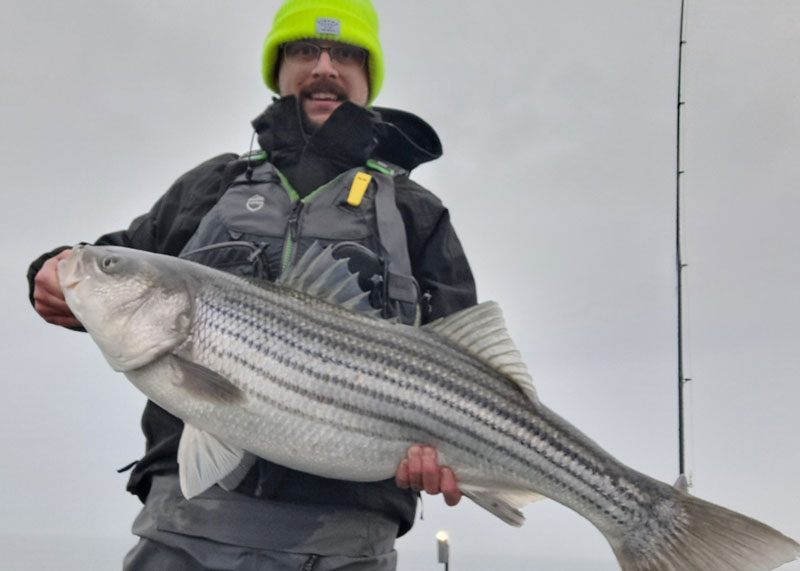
[225, 531]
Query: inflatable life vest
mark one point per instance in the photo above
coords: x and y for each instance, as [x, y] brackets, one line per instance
[260, 226]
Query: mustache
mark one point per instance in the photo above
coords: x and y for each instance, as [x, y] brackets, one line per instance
[326, 85]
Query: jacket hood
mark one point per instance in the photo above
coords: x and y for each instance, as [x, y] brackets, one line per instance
[352, 135]
[405, 139]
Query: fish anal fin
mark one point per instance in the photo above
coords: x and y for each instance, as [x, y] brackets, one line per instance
[507, 505]
[481, 330]
[204, 460]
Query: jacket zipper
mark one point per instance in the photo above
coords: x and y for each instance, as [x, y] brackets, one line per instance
[294, 216]
[291, 234]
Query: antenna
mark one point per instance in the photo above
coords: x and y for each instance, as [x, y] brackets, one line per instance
[680, 265]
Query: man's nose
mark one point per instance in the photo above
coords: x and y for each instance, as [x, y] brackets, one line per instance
[324, 66]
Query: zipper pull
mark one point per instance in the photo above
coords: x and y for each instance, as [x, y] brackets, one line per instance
[291, 235]
[294, 216]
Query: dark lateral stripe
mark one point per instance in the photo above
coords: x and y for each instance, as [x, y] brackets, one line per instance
[325, 317]
[521, 421]
[527, 422]
[401, 423]
[350, 407]
[470, 376]
[545, 448]
[369, 413]
[285, 333]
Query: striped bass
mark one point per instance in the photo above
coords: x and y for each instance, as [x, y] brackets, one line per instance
[299, 373]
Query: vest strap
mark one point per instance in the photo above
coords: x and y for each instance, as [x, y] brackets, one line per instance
[392, 234]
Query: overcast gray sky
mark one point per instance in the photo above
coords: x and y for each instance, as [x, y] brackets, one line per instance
[558, 123]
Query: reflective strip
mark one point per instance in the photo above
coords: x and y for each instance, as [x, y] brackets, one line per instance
[382, 167]
[358, 188]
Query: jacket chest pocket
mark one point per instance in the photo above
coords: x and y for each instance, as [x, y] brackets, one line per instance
[250, 210]
[243, 233]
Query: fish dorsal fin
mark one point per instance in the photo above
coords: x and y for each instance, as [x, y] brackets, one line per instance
[481, 329]
[320, 274]
[204, 460]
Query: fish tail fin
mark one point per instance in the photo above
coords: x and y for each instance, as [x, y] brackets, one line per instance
[705, 536]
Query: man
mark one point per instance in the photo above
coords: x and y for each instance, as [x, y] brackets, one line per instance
[330, 169]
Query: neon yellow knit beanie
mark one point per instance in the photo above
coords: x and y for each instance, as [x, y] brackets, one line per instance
[350, 21]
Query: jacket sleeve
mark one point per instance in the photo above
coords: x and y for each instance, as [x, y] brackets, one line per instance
[173, 218]
[437, 258]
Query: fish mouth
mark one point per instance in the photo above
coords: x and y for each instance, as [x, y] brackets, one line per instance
[71, 270]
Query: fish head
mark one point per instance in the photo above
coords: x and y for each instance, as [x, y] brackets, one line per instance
[135, 305]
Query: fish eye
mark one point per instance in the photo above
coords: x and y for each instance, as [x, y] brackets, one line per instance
[108, 263]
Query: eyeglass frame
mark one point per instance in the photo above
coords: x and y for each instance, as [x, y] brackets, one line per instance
[328, 49]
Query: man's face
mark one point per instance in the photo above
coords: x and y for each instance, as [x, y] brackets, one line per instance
[323, 83]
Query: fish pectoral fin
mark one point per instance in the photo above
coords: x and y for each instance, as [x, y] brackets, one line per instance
[481, 330]
[204, 460]
[507, 505]
[205, 383]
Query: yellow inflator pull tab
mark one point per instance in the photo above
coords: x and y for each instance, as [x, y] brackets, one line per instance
[358, 188]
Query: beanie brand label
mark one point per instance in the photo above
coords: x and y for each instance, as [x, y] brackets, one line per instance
[329, 26]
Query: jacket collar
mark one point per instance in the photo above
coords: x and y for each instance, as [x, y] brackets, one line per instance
[346, 138]
[352, 135]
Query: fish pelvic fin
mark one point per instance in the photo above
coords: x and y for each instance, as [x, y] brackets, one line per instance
[481, 330]
[704, 537]
[204, 460]
[237, 476]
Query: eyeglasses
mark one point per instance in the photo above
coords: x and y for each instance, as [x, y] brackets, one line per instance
[307, 52]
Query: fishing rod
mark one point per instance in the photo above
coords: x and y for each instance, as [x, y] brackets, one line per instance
[683, 479]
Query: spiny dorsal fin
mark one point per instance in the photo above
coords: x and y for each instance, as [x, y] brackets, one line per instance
[481, 329]
[320, 274]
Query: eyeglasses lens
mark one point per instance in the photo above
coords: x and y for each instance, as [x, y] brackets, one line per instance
[306, 52]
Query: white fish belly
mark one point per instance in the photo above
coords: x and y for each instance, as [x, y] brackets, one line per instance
[290, 429]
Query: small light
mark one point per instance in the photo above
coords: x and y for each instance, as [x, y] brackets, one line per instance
[444, 548]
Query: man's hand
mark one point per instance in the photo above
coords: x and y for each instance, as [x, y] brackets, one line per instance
[48, 299]
[420, 470]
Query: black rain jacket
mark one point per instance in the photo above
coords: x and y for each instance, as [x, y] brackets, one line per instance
[309, 158]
